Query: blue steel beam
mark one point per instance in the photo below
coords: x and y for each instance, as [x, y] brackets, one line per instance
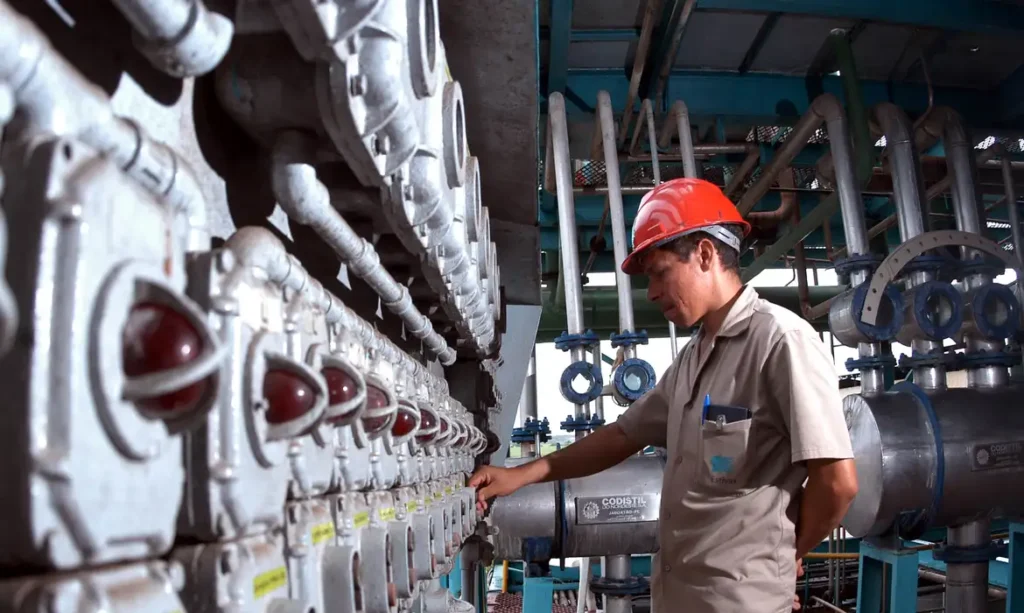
[558, 47]
[602, 35]
[770, 99]
[960, 15]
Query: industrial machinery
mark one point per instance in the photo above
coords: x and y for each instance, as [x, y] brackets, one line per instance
[274, 272]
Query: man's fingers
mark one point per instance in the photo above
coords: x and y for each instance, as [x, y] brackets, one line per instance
[477, 479]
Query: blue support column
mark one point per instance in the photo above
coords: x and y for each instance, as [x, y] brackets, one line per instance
[455, 578]
[538, 594]
[1015, 587]
[560, 33]
[902, 592]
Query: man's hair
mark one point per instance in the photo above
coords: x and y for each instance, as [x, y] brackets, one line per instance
[684, 246]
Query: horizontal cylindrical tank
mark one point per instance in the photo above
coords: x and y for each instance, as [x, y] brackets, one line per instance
[612, 512]
[935, 459]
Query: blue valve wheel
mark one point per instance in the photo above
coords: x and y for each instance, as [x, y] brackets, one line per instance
[588, 373]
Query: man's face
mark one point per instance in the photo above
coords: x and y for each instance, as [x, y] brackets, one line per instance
[680, 287]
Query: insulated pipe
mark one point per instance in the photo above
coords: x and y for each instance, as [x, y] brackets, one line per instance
[619, 240]
[826, 109]
[910, 208]
[57, 99]
[180, 37]
[306, 201]
[257, 247]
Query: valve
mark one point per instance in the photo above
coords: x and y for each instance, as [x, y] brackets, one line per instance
[632, 379]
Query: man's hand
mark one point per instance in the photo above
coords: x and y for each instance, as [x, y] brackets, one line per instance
[799, 573]
[492, 481]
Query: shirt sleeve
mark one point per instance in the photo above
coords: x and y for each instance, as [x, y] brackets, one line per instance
[645, 422]
[803, 380]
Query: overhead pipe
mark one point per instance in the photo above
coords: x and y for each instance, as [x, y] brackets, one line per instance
[639, 60]
[785, 210]
[182, 38]
[558, 157]
[306, 201]
[668, 59]
[924, 334]
[56, 99]
[689, 165]
[1013, 213]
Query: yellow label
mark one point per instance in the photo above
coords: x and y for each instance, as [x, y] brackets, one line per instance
[387, 514]
[361, 519]
[323, 532]
[447, 71]
[410, 507]
[270, 581]
[438, 495]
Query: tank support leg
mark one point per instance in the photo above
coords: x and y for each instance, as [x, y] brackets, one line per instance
[902, 584]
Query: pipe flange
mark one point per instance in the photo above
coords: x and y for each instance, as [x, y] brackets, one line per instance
[867, 261]
[633, 586]
[629, 339]
[972, 554]
[634, 378]
[981, 265]
[931, 263]
[937, 309]
[920, 360]
[591, 373]
[996, 311]
[872, 363]
[981, 359]
[568, 342]
[846, 316]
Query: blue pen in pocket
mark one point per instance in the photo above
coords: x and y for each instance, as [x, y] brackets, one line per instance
[704, 413]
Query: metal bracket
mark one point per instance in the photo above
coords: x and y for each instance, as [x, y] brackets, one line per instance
[902, 255]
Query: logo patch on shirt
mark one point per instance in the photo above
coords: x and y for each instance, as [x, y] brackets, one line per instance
[721, 464]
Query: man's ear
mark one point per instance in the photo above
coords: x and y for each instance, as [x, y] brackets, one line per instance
[706, 252]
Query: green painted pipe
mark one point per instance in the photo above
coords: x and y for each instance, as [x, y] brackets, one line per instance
[601, 310]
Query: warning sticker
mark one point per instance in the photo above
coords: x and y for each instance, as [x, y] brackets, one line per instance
[361, 519]
[387, 514]
[617, 509]
[270, 581]
[990, 456]
[411, 506]
[323, 532]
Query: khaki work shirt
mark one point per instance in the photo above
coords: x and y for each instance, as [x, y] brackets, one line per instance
[730, 496]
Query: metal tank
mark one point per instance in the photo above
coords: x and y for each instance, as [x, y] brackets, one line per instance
[935, 460]
[612, 512]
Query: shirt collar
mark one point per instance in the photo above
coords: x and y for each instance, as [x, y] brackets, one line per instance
[738, 318]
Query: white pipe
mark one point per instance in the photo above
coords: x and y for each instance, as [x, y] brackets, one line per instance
[56, 99]
[179, 37]
[306, 200]
[618, 217]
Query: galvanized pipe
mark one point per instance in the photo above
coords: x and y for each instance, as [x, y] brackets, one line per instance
[826, 109]
[686, 152]
[618, 567]
[179, 37]
[306, 200]
[558, 138]
[910, 209]
[55, 98]
[619, 241]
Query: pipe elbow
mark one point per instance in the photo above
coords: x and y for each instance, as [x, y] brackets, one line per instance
[953, 132]
[828, 108]
[296, 187]
[894, 123]
[257, 247]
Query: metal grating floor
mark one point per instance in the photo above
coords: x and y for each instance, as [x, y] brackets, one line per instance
[513, 603]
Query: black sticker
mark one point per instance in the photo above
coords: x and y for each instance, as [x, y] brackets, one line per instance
[617, 509]
[991, 456]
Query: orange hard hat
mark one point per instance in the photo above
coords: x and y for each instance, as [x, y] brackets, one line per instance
[676, 208]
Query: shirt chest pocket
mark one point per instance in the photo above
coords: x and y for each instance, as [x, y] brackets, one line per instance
[726, 458]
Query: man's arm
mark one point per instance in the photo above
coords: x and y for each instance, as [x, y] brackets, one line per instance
[806, 388]
[831, 487]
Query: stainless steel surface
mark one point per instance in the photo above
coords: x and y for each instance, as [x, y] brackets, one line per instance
[528, 409]
[618, 567]
[306, 200]
[606, 118]
[1013, 213]
[599, 403]
[532, 512]
[967, 584]
[906, 178]
[470, 566]
[682, 115]
[895, 453]
[559, 145]
[872, 380]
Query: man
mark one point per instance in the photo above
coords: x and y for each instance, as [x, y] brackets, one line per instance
[748, 411]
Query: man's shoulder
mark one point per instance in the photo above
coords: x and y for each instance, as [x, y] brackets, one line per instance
[770, 321]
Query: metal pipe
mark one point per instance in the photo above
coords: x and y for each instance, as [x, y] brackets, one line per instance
[745, 168]
[529, 398]
[55, 98]
[961, 165]
[1013, 213]
[786, 208]
[306, 200]
[618, 217]
[967, 584]
[825, 109]
[995, 593]
[642, 46]
[558, 137]
[179, 37]
[618, 567]
[677, 36]
[686, 151]
[470, 565]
